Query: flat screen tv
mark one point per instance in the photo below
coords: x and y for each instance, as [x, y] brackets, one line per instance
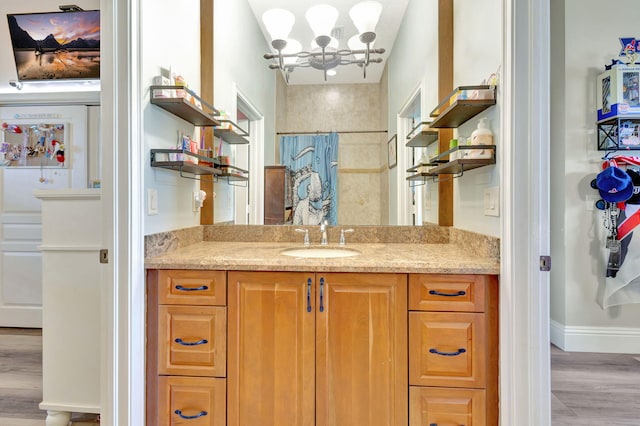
[56, 45]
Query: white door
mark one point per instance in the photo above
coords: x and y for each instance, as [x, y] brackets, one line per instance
[20, 221]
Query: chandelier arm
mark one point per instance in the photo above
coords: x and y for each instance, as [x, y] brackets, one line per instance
[366, 59]
[324, 66]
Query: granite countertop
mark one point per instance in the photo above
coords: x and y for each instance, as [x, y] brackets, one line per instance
[374, 257]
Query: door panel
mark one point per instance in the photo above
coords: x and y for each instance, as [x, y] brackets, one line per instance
[20, 213]
[271, 349]
[361, 349]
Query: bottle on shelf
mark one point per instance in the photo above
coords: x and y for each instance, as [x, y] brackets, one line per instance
[481, 136]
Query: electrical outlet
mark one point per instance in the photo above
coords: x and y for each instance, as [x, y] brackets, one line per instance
[492, 201]
[152, 201]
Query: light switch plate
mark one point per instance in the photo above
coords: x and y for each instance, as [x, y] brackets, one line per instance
[492, 201]
[152, 201]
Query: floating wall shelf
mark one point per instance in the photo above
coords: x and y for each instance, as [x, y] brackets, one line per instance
[190, 108]
[423, 138]
[231, 133]
[191, 165]
[462, 104]
[441, 166]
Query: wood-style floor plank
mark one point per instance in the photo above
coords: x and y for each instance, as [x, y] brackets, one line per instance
[594, 389]
[20, 377]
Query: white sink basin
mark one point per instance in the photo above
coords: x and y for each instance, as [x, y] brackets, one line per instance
[320, 252]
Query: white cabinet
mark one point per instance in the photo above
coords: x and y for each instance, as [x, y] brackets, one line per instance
[71, 308]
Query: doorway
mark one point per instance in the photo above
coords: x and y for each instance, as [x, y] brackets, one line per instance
[249, 198]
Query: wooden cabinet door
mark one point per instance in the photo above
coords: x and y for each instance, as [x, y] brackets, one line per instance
[197, 401]
[192, 340]
[271, 349]
[448, 349]
[444, 407]
[361, 349]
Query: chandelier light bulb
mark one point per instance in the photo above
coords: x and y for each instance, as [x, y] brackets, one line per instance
[293, 47]
[322, 18]
[365, 16]
[278, 22]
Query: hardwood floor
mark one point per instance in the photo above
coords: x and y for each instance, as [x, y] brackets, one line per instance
[21, 379]
[587, 389]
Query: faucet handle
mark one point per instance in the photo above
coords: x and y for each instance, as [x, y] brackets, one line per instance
[306, 235]
[343, 240]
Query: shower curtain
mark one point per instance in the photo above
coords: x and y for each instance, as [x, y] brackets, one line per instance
[313, 161]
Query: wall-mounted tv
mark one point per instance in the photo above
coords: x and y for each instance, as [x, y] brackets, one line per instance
[56, 45]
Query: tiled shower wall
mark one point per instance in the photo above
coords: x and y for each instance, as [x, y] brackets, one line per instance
[362, 157]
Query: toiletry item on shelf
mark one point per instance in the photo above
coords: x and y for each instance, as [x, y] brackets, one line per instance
[161, 80]
[481, 136]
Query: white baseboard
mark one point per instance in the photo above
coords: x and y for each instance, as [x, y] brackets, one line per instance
[595, 339]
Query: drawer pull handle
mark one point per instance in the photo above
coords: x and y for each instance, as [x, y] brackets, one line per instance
[199, 342]
[437, 352]
[436, 424]
[182, 416]
[321, 294]
[201, 288]
[308, 294]
[456, 294]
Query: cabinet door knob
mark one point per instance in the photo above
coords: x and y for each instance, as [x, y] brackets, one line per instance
[182, 416]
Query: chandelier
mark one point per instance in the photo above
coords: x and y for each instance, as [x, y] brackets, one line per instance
[325, 54]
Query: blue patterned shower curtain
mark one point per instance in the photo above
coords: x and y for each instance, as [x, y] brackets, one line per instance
[313, 160]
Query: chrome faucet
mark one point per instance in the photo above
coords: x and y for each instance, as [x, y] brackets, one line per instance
[323, 229]
[306, 235]
[343, 240]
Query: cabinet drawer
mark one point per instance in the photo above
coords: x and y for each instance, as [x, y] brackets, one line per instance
[192, 340]
[447, 293]
[186, 287]
[443, 407]
[447, 349]
[196, 401]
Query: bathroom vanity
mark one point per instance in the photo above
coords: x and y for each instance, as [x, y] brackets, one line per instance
[400, 334]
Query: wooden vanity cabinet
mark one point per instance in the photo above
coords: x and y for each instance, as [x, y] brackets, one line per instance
[317, 349]
[244, 348]
[187, 347]
[453, 350]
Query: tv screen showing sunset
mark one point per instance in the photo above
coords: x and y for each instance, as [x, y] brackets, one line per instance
[56, 45]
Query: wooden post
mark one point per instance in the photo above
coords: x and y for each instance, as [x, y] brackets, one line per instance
[206, 88]
[445, 86]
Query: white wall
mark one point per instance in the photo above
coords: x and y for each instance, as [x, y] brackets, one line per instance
[578, 56]
[413, 63]
[476, 55]
[239, 66]
[477, 50]
[168, 40]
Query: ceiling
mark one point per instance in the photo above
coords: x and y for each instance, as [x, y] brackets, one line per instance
[386, 31]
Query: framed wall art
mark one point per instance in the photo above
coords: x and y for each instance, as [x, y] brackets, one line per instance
[392, 151]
